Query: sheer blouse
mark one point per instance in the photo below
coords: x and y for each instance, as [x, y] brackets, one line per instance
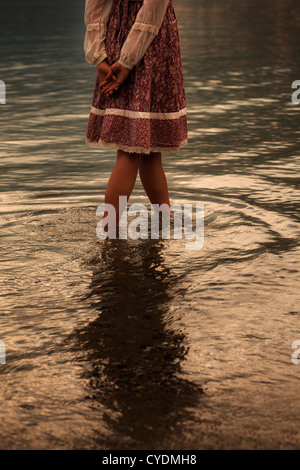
[146, 26]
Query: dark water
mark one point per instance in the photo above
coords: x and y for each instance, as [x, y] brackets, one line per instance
[144, 344]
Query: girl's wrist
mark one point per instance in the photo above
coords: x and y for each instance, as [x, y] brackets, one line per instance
[101, 62]
[123, 64]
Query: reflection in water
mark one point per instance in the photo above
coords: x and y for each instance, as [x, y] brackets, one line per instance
[133, 350]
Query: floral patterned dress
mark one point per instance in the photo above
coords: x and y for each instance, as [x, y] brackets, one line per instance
[148, 112]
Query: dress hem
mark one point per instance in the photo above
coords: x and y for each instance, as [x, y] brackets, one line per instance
[102, 143]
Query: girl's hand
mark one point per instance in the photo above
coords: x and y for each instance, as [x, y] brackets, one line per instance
[103, 69]
[114, 78]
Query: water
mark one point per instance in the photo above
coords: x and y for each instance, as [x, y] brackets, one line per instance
[143, 344]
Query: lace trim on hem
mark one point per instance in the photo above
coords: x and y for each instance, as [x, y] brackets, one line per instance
[137, 114]
[146, 27]
[102, 143]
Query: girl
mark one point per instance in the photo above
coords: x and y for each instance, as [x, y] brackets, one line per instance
[139, 104]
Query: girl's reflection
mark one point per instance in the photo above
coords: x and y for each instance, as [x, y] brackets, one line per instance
[134, 352]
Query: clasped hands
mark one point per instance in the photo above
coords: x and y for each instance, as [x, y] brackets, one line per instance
[111, 77]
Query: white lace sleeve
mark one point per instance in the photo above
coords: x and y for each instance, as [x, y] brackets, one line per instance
[96, 18]
[147, 25]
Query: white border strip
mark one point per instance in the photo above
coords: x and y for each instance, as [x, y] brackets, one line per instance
[137, 114]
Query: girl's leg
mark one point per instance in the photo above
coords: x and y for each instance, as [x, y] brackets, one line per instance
[153, 178]
[122, 180]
